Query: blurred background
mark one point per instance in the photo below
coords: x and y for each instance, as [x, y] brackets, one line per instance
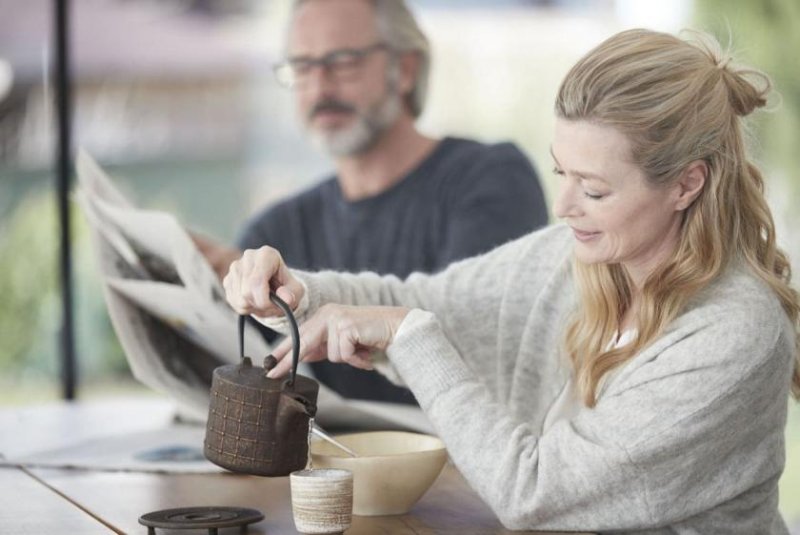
[175, 98]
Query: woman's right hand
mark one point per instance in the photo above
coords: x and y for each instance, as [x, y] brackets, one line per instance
[250, 279]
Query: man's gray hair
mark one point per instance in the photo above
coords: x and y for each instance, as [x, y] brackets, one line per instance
[398, 27]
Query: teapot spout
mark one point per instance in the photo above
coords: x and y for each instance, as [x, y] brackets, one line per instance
[293, 402]
[292, 423]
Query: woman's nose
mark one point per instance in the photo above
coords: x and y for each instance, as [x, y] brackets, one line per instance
[566, 204]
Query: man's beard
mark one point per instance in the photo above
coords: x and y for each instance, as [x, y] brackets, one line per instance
[365, 130]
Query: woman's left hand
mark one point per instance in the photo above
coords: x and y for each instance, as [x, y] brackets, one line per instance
[342, 334]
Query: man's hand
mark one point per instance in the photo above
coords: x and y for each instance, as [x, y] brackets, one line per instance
[219, 256]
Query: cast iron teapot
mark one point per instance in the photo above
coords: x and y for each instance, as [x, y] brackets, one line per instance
[258, 425]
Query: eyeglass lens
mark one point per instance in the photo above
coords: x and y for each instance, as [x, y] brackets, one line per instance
[341, 64]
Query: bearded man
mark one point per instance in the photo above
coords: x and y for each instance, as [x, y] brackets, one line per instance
[400, 201]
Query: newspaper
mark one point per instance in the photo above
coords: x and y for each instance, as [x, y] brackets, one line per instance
[176, 449]
[168, 309]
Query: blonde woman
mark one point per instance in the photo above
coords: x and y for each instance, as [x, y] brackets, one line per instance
[626, 370]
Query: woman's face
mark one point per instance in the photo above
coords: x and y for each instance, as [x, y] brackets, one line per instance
[616, 215]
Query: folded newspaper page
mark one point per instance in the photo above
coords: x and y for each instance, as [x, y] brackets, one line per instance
[168, 309]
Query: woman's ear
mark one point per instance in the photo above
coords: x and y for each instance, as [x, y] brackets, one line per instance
[691, 184]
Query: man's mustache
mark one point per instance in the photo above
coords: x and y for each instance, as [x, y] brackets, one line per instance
[331, 105]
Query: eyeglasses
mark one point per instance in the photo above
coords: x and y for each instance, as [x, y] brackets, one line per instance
[342, 65]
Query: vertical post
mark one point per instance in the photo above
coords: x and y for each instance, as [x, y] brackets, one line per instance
[63, 168]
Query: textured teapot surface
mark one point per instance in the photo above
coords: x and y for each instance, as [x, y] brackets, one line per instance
[259, 425]
[249, 376]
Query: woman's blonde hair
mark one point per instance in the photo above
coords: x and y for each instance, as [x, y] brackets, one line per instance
[676, 101]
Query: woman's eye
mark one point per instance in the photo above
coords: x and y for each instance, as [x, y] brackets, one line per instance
[594, 196]
[557, 171]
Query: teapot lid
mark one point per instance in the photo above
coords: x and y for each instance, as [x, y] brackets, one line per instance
[246, 374]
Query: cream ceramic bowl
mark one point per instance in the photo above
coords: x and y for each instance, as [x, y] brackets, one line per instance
[392, 472]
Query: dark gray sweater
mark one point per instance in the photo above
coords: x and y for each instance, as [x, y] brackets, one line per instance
[464, 199]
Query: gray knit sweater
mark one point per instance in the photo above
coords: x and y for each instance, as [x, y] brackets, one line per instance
[687, 438]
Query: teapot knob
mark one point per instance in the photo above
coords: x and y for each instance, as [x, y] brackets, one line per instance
[270, 362]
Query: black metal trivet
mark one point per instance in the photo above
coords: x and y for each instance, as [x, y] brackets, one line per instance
[210, 518]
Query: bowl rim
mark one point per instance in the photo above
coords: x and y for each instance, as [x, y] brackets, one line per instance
[439, 448]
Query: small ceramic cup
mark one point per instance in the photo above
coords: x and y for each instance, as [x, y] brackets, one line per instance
[322, 500]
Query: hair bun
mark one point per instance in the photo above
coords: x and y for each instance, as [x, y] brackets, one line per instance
[747, 88]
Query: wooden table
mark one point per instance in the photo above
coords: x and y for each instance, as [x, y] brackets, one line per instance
[48, 500]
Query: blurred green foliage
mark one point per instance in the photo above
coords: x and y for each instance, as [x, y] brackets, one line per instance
[30, 313]
[790, 481]
[764, 33]
[28, 252]
[30, 310]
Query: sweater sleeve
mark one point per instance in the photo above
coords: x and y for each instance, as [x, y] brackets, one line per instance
[466, 297]
[655, 451]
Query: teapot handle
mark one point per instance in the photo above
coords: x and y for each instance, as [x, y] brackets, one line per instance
[295, 331]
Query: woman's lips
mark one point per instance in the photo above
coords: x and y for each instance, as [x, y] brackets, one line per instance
[584, 235]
